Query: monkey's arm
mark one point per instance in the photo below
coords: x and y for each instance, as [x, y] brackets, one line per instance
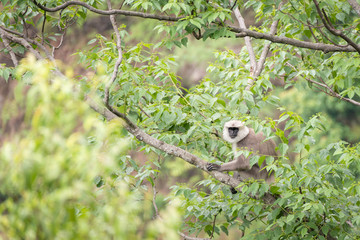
[239, 164]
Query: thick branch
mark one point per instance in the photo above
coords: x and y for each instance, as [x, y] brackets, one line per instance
[290, 41]
[107, 12]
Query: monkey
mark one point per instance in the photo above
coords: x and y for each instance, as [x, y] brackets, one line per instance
[245, 138]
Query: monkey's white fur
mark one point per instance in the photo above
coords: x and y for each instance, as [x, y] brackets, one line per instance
[243, 131]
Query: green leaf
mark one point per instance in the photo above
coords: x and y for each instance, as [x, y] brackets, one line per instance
[92, 41]
[224, 229]
[283, 118]
[282, 148]
[196, 22]
[289, 218]
[184, 41]
[167, 6]
[275, 190]
[253, 188]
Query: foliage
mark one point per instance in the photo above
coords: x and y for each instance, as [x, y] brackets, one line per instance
[66, 175]
[316, 197]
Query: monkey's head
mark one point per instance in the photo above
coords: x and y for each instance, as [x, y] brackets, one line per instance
[234, 131]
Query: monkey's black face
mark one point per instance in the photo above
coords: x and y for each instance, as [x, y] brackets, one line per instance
[233, 132]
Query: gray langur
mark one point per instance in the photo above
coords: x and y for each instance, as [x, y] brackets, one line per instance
[244, 138]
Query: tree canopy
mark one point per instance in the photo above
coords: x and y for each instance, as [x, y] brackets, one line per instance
[68, 172]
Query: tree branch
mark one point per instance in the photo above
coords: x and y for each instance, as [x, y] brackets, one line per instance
[247, 39]
[290, 41]
[331, 29]
[107, 12]
[213, 226]
[22, 41]
[119, 59]
[8, 47]
[240, 31]
[261, 62]
[332, 93]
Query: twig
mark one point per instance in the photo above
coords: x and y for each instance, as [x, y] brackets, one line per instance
[332, 93]
[68, 23]
[43, 29]
[327, 38]
[143, 111]
[214, 221]
[232, 7]
[60, 43]
[24, 22]
[157, 215]
[313, 34]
